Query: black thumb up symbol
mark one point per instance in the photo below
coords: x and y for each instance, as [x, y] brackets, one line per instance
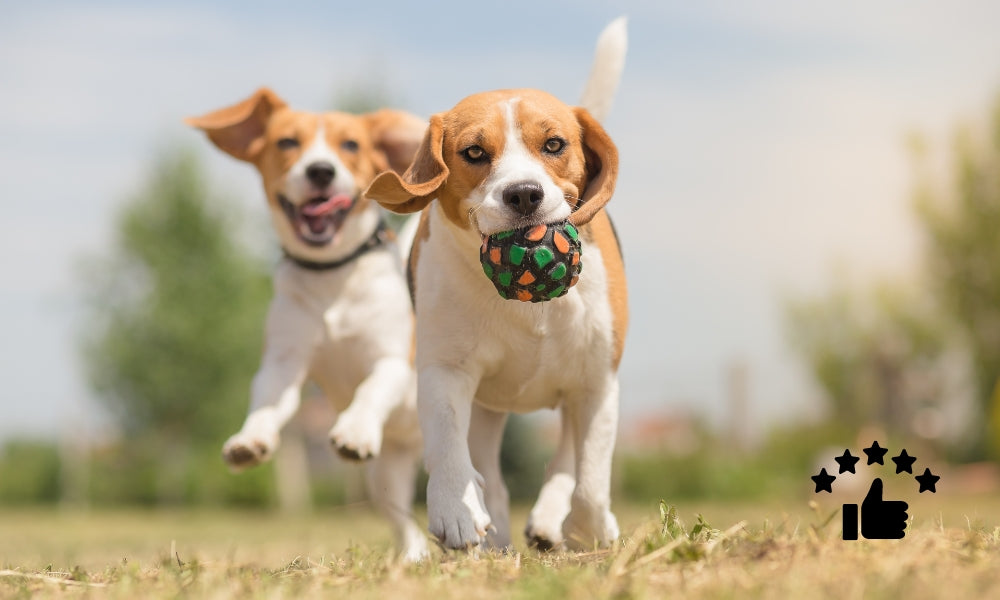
[880, 519]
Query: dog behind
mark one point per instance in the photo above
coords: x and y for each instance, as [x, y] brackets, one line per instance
[341, 314]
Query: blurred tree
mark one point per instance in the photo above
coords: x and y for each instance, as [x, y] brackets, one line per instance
[29, 472]
[874, 355]
[961, 221]
[175, 313]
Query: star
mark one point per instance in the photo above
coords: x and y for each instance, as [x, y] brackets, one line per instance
[875, 454]
[904, 462]
[927, 481]
[847, 462]
[823, 481]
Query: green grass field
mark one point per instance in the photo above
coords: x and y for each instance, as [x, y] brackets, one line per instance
[766, 550]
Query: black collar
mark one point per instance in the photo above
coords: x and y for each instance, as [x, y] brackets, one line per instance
[377, 238]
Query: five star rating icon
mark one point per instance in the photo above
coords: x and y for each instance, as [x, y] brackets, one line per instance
[904, 462]
[875, 453]
[847, 462]
[927, 481]
[824, 481]
[880, 519]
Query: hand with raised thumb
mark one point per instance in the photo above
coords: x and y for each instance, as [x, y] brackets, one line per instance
[882, 519]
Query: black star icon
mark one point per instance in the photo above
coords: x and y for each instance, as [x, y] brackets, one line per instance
[875, 454]
[847, 462]
[927, 481]
[823, 481]
[904, 462]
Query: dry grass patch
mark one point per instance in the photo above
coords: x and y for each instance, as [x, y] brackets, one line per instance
[223, 555]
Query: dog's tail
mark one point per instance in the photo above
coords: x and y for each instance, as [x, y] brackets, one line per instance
[606, 72]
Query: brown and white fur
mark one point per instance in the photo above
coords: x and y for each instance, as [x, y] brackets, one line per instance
[497, 161]
[348, 328]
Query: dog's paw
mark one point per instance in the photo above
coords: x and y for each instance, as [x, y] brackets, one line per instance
[545, 521]
[414, 552]
[456, 514]
[542, 535]
[356, 438]
[544, 528]
[583, 528]
[243, 450]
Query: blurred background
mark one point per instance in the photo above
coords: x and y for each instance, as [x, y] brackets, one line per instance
[808, 200]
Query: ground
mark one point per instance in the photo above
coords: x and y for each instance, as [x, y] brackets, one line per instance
[770, 549]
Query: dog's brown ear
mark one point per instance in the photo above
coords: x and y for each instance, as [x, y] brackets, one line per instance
[602, 168]
[396, 134]
[419, 185]
[238, 130]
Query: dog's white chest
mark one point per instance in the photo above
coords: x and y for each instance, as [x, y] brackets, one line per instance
[353, 317]
[527, 356]
[541, 363]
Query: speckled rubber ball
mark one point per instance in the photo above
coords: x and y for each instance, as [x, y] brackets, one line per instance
[535, 263]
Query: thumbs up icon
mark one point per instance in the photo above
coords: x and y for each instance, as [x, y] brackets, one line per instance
[880, 519]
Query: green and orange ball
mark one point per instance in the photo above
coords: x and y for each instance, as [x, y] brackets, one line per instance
[533, 264]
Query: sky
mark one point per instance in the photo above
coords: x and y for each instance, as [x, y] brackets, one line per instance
[763, 148]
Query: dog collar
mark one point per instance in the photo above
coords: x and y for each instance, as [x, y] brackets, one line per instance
[376, 239]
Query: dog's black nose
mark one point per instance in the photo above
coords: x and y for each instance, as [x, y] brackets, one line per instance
[320, 173]
[523, 196]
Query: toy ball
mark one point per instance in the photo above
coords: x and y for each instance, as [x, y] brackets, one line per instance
[535, 263]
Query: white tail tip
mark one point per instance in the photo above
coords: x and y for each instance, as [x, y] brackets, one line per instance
[606, 72]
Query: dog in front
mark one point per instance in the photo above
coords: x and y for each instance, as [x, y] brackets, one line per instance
[498, 161]
[341, 313]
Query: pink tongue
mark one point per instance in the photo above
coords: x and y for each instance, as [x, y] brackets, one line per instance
[318, 209]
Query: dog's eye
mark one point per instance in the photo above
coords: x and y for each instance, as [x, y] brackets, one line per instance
[475, 154]
[288, 143]
[349, 146]
[554, 145]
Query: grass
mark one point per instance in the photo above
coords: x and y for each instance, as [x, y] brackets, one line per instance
[777, 549]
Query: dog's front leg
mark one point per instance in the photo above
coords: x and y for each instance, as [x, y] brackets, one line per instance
[292, 334]
[545, 521]
[357, 434]
[594, 420]
[485, 438]
[455, 508]
[391, 478]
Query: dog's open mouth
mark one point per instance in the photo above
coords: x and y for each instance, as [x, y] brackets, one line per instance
[318, 221]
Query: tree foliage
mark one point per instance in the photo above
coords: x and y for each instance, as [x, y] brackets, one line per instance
[176, 311]
[862, 350]
[961, 224]
[873, 353]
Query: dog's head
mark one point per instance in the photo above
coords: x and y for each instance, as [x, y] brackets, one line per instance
[314, 166]
[507, 159]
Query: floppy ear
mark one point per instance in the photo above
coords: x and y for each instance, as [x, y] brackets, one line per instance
[397, 134]
[238, 130]
[602, 168]
[420, 183]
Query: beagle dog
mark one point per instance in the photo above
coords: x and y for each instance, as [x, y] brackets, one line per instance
[341, 315]
[498, 161]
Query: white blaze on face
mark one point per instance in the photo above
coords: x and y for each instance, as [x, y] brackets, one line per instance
[516, 164]
[299, 190]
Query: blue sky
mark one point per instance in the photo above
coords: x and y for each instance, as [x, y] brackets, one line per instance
[762, 147]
